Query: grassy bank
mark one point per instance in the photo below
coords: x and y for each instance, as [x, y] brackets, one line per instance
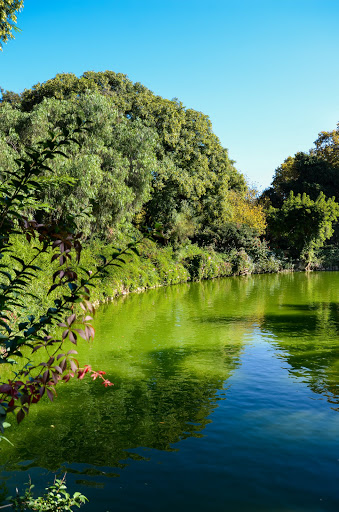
[155, 266]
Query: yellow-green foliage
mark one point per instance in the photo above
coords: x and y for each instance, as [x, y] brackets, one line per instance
[244, 210]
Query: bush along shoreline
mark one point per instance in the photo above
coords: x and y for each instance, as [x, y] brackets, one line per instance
[163, 265]
[159, 266]
[155, 266]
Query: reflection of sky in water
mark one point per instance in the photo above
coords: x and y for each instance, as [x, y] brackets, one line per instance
[223, 400]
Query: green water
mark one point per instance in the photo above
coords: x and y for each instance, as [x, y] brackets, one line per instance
[226, 398]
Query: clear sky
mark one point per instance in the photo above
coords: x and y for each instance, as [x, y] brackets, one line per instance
[265, 71]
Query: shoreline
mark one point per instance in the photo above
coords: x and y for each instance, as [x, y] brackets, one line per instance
[125, 291]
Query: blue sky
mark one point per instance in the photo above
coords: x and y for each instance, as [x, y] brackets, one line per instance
[265, 71]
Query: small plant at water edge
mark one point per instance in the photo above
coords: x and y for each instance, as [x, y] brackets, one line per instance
[56, 499]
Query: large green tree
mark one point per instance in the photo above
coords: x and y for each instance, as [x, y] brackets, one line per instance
[107, 179]
[146, 156]
[312, 173]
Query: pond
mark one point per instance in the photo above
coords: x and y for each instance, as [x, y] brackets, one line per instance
[225, 398]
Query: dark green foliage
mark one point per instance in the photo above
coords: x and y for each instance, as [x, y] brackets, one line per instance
[144, 155]
[227, 237]
[304, 173]
[302, 203]
[328, 257]
[301, 225]
[245, 250]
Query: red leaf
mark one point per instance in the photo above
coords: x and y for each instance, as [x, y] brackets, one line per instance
[71, 319]
[36, 348]
[73, 337]
[82, 333]
[89, 331]
[45, 376]
[5, 388]
[24, 399]
[50, 394]
[73, 366]
[20, 416]
[90, 306]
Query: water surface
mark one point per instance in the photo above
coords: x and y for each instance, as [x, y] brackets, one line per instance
[226, 398]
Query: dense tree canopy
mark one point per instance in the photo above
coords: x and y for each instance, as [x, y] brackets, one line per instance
[306, 173]
[311, 173]
[145, 157]
[302, 202]
[302, 225]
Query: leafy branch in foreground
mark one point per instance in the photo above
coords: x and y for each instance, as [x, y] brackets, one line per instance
[71, 288]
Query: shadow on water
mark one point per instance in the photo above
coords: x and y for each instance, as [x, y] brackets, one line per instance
[99, 429]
